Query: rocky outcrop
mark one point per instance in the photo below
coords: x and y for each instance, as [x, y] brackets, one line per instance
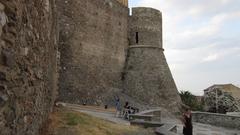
[28, 65]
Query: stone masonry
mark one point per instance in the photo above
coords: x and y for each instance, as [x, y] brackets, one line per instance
[221, 120]
[98, 50]
[147, 75]
[100, 54]
[28, 65]
[93, 46]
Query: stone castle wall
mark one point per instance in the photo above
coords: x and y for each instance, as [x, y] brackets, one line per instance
[28, 77]
[92, 39]
[146, 24]
[104, 50]
[147, 75]
[222, 120]
[93, 46]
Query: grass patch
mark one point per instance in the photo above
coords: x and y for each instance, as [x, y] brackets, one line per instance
[74, 119]
[64, 120]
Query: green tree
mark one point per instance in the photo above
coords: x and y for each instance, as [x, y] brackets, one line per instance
[190, 100]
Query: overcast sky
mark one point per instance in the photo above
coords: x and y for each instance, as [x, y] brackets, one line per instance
[201, 41]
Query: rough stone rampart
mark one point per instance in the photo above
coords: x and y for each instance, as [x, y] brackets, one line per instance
[145, 26]
[93, 44]
[221, 120]
[88, 41]
[28, 65]
[104, 50]
[147, 76]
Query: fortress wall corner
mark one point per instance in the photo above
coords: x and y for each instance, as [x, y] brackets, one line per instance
[147, 75]
[93, 48]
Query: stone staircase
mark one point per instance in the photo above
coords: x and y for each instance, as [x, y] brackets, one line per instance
[152, 119]
[146, 124]
[167, 129]
[139, 116]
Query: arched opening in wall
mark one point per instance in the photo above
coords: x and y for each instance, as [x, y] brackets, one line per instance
[136, 37]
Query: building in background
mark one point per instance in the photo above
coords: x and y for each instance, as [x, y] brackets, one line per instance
[229, 88]
[222, 98]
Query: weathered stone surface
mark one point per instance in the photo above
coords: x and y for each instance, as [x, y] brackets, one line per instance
[94, 41]
[93, 54]
[93, 44]
[3, 76]
[8, 58]
[147, 75]
[221, 120]
[27, 42]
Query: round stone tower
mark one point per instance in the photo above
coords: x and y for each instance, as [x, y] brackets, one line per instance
[145, 27]
[147, 76]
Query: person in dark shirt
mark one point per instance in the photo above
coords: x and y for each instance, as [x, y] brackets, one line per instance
[118, 107]
[127, 110]
[126, 106]
[187, 122]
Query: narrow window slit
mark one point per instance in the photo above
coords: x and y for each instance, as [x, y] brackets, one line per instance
[136, 37]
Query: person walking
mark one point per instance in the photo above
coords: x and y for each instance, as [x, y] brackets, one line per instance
[187, 122]
[118, 107]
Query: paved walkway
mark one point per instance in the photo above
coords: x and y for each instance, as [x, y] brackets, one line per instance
[203, 129]
[108, 114]
[199, 129]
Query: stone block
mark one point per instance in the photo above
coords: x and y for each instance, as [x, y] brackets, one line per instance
[221, 120]
[24, 51]
[3, 98]
[146, 124]
[27, 25]
[92, 51]
[3, 17]
[3, 76]
[8, 58]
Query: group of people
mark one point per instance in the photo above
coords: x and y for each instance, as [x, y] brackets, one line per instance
[127, 109]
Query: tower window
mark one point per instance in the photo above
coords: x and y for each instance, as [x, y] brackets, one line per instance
[136, 37]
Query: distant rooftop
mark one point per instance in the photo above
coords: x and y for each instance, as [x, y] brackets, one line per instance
[222, 86]
[230, 88]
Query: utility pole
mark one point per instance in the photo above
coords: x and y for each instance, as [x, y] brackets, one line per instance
[216, 94]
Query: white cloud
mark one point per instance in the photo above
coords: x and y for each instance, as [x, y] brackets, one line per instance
[197, 36]
[208, 28]
[211, 57]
